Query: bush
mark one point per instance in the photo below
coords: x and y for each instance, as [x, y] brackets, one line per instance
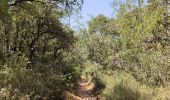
[123, 86]
[18, 81]
[128, 93]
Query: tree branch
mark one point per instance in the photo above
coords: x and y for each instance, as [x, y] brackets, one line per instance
[20, 1]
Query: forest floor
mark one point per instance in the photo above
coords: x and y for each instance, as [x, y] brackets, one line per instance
[84, 91]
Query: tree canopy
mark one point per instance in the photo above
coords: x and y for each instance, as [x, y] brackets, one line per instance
[125, 56]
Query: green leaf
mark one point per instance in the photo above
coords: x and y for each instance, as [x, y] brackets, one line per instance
[4, 7]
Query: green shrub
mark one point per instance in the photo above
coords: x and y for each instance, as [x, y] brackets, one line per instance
[128, 93]
[122, 86]
[18, 81]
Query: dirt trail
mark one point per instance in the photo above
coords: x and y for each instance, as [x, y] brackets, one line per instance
[84, 91]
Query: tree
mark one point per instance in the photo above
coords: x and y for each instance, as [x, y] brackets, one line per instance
[33, 32]
[98, 24]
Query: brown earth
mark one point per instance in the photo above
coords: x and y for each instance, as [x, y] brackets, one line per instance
[84, 91]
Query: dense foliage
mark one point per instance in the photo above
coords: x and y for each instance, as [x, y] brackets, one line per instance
[34, 48]
[127, 56]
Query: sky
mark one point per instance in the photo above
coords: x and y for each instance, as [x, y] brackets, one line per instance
[92, 8]
[95, 7]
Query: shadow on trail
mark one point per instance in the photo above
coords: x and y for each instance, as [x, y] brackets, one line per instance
[84, 91]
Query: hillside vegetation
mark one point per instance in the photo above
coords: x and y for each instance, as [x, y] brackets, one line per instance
[126, 57]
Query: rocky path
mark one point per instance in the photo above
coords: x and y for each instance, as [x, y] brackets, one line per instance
[84, 91]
